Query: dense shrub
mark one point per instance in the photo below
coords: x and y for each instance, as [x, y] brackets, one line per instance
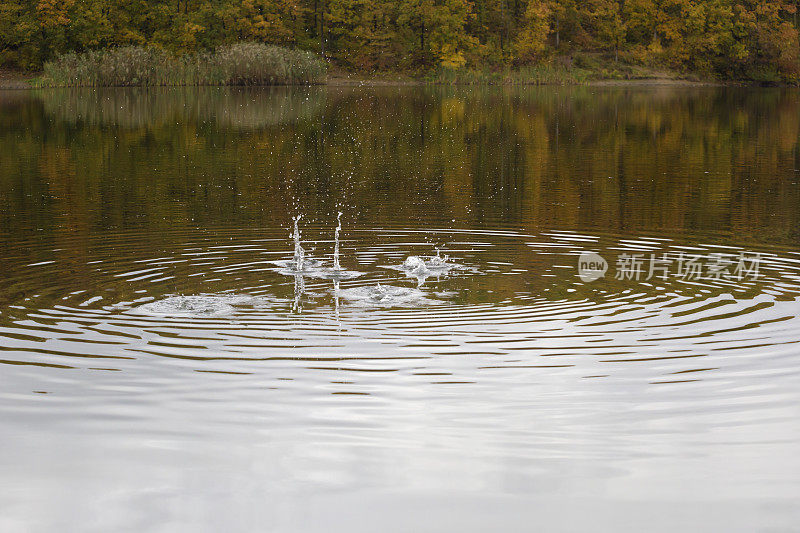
[237, 64]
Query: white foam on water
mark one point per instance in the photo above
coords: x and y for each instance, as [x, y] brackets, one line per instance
[196, 305]
[386, 296]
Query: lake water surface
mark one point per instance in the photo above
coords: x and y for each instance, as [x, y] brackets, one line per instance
[161, 369]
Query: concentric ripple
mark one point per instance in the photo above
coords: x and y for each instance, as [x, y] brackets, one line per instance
[517, 302]
[194, 337]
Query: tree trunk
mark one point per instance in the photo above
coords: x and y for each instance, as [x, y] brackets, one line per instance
[322, 30]
[558, 36]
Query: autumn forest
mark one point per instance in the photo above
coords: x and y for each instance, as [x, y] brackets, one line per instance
[741, 39]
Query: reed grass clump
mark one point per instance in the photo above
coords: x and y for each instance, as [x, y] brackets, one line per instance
[236, 64]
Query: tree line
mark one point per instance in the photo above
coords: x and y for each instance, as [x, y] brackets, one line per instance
[729, 38]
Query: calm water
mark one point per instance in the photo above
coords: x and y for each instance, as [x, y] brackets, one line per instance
[160, 372]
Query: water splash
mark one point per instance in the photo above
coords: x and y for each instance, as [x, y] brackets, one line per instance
[336, 266]
[308, 266]
[299, 253]
[423, 267]
[336, 272]
[439, 261]
[414, 263]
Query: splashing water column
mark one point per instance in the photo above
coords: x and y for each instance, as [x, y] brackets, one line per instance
[299, 253]
[336, 265]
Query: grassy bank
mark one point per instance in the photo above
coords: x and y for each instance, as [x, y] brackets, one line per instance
[578, 69]
[237, 64]
[545, 74]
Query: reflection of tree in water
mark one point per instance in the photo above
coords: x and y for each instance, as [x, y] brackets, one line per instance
[244, 108]
[585, 158]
